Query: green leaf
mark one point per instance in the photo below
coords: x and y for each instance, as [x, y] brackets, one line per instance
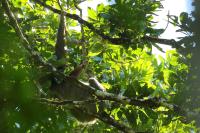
[92, 13]
[96, 49]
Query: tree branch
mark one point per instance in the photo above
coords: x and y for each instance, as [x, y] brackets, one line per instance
[103, 95]
[116, 41]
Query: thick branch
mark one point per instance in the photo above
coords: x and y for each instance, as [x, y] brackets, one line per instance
[103, 95]
[116, 41]
[170, 42]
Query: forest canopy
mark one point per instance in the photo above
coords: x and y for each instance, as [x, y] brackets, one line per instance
[65, 71]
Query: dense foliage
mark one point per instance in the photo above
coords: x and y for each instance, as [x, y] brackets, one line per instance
[116, 40]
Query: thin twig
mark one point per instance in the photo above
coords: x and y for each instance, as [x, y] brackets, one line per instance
[168, 16]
